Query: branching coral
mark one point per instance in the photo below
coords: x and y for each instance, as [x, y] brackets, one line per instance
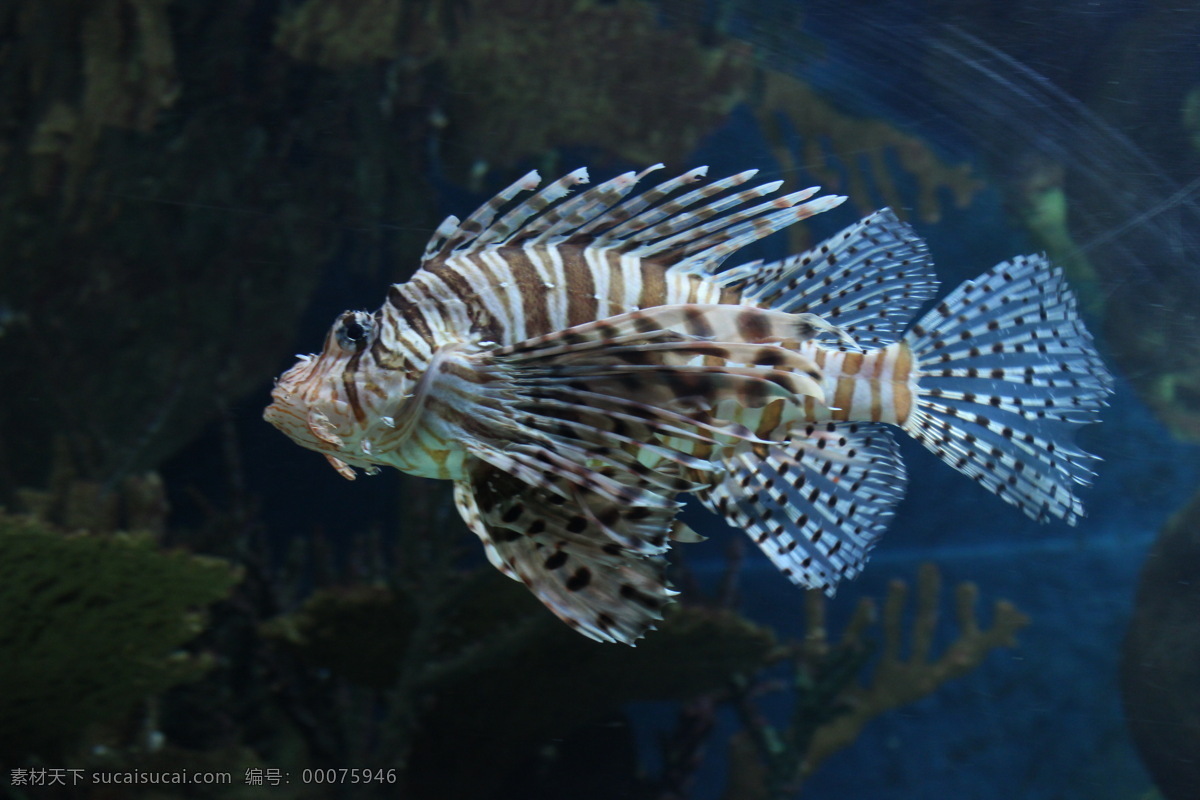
[831, 138]
[469, 662]
[833, 704]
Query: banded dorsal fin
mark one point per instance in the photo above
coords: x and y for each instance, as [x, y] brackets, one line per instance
[692, 232]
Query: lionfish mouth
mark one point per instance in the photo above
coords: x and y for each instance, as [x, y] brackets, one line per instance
[304, 418]
[291, 414]
[284, 415]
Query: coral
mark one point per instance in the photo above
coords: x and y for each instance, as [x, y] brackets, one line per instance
[127, 71]
[425, 660]
[1039, 199]
[91, 624]
[1162, 361]
[341, 34]
[833, 704]
[74, 503]
[544, 682]
[526, 79]
[358, 632]
[859, 146]
[489, 657]
[498, 674]
[171, 192]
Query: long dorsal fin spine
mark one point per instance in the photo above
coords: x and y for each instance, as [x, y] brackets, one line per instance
[689, 232]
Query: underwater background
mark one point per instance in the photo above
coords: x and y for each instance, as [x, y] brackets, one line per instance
[190, 192]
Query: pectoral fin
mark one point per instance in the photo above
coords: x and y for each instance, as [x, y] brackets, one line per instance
[568, 551]
[684, 372]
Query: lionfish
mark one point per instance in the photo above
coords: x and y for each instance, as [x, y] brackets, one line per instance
[577, 364]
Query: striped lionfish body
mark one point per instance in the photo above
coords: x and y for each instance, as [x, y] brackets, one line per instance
[578, 364]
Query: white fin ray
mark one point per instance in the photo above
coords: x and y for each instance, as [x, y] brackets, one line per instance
[706, 255]
[688, 229]
[478, 230]
[526, 218]
[653, 224]
[570, 217]
[817, 504]
[870, 279]
[698, 322]
[642, 227]
[633, 205]
[446, 229]
[453, 234]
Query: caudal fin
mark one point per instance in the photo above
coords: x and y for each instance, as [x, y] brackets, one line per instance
[1006, 371]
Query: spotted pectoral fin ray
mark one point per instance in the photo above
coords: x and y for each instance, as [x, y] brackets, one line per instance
[817, 503]
[694, 321]
[565, 550]
[671, 369]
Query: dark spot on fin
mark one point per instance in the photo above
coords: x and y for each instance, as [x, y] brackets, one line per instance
[580, 579]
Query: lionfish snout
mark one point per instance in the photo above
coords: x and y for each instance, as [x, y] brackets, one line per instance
[295, 407]
[308, 406]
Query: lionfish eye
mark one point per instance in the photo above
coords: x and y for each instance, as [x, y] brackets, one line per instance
[352, 330]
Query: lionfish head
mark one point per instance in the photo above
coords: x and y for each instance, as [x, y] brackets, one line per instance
[340, 403]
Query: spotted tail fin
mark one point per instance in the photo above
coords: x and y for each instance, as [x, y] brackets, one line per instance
[1004, 371]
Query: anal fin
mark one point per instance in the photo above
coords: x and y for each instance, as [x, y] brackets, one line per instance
[817, 503]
